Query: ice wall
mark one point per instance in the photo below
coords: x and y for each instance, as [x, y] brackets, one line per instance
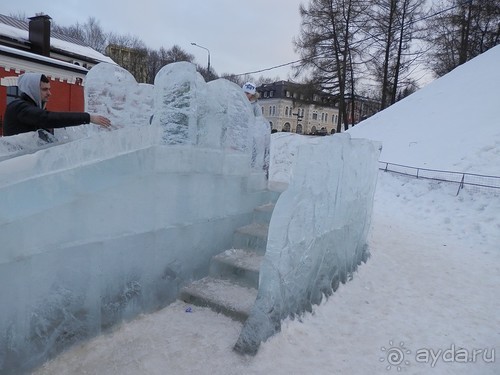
[317, 234]
[283, 150]
[180, 94]
[100, 226]
[231, 113]
[261, 144]
[189, 111]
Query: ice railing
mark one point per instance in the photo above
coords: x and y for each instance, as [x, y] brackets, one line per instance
[179, 109]
[318, 230]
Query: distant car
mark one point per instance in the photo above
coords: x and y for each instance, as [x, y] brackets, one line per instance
[320, 132]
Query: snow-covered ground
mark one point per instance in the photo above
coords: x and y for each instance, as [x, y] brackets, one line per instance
[426, 302]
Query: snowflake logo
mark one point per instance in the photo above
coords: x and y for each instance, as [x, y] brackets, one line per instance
[395, 356]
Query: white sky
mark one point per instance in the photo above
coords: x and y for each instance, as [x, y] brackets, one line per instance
[241, 36]
[430, 287]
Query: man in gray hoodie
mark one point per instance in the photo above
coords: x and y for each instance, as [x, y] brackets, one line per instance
[27, 113]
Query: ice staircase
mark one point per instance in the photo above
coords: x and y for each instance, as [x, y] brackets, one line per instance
[233, 280]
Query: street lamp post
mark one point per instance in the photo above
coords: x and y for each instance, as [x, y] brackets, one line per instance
[206, 49]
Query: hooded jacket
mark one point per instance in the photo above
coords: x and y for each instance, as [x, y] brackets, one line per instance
[27, 113]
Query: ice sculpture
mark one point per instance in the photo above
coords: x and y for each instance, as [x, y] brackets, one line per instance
[261, 144]
[145, 183]
[283, 150]
[317, 234]
[214, 115]
[113, 92]
[180, 93]
[230, 112]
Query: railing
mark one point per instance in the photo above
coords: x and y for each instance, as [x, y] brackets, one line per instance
[460, 178]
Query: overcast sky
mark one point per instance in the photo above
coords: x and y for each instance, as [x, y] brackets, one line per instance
[242, 36]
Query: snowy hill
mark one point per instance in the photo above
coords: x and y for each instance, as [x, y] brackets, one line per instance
[457, 112]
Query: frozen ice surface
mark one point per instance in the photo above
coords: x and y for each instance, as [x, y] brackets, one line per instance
[282, 154]
[317, 234]
[214, 115]
[231, 114]
[99, 226]
[261, 144]
[113, 92]
[180, 95]
[20, 144]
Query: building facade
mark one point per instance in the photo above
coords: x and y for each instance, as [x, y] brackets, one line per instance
[30, 47]
[135, 60]
[292, 107]
[363, 108]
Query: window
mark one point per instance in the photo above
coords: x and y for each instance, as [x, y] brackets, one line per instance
[286, 111]
[315, 116]
[271, 94]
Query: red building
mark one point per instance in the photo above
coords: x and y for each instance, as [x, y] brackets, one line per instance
[28, 46]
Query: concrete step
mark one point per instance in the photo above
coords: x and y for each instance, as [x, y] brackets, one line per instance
[231, 287]
[252, 236]
[221, 296]
[238, 265]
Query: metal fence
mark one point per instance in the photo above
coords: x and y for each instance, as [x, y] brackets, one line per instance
[477, 181]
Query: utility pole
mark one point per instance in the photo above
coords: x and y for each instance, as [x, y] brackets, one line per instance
[206, 49]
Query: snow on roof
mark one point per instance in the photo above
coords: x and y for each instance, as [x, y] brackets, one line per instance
[13, 32]
[84, 51]
[22, 35]
[40, 58]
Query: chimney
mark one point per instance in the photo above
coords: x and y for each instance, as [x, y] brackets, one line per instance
[39, 34]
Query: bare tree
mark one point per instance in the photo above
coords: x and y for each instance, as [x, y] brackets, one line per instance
[206, 74]
[392, 28]
[327, 46]
[94, 35]
[74, 31]
[90, 33]
[154, 65]
[129, 41]
[175, 54]
[237, 78]
[460, 31]
[21, 16]
[158, 59]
